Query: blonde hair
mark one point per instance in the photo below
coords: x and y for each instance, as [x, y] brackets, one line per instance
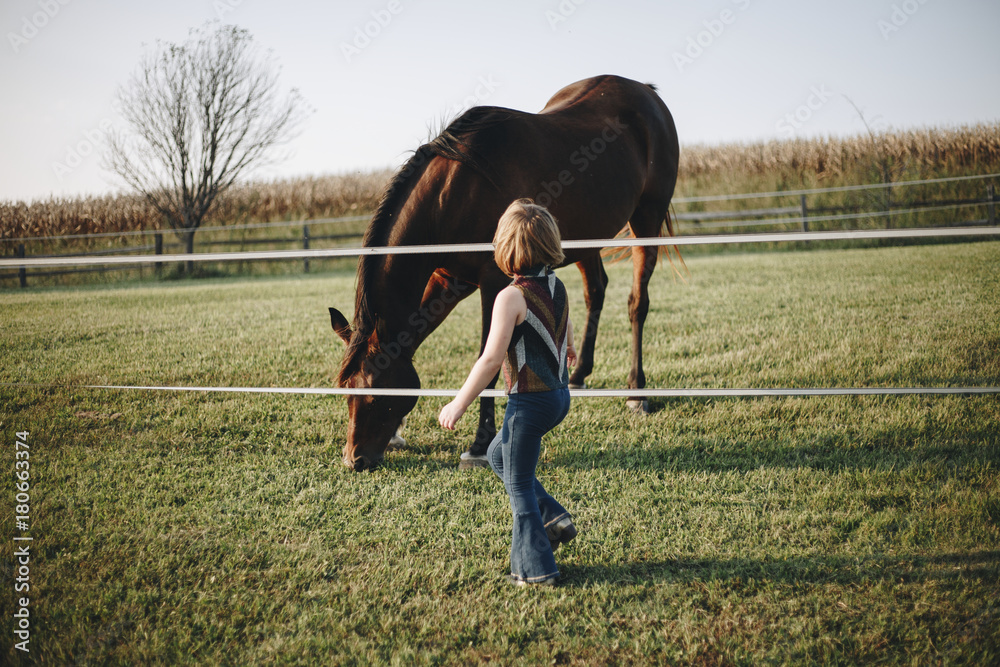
[527, 236]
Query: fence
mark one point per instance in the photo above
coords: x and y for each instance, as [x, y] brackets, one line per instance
[159, 246]
[801, 216]
[982, 228]
[583, 393]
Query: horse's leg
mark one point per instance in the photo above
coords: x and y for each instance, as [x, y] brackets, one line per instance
[595, 280]
[645, 223]
[487, 430]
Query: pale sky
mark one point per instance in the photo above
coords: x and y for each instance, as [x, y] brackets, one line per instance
[380, 73]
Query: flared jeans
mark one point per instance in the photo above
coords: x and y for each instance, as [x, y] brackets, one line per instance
[513, 455]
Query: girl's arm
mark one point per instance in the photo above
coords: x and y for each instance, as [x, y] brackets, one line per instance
[508, 310]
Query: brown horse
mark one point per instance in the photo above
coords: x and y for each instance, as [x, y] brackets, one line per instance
[601, 154]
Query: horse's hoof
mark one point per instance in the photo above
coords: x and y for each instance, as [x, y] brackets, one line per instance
[638, 406]
[577, 386]
[469, 461]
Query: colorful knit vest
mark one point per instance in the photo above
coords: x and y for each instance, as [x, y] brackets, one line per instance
[536, 356]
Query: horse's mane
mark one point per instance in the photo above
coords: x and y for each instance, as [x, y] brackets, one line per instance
[457, 141]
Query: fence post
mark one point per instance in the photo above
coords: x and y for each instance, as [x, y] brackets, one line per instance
[158, 245]
[22, 273]
[305, 246]
[805, 212]
[991, 206]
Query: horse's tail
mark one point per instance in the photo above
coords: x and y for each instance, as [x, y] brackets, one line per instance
[619, 254]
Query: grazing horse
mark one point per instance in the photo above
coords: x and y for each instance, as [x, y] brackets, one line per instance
[601, 154]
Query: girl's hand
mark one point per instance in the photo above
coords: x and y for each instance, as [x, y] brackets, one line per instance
[509, 307]
[571, 356]
[450, 414]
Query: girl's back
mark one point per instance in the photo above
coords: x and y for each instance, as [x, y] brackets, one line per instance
[536, 355]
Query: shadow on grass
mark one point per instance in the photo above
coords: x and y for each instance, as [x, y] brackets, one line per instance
[741, 573]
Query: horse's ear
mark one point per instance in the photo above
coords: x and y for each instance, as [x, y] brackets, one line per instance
[340, 325]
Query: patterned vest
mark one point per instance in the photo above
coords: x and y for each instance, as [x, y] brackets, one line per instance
[536, 356]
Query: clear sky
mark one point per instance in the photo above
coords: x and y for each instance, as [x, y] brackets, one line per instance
[380, 73]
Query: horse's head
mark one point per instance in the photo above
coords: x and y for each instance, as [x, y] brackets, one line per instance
[373, 420]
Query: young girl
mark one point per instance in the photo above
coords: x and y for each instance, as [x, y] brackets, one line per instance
[532, 336]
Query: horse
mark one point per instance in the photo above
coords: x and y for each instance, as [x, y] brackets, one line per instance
[601, 156]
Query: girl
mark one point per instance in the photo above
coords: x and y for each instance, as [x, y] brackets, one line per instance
[532, 336]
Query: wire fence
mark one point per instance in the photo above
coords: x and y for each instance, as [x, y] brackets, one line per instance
[962, 217]
[326, 253]
[576, 393]
[125, 258]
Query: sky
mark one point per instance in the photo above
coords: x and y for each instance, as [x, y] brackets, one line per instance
[380, 75]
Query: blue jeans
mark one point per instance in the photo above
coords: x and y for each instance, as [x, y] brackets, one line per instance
[513, 455]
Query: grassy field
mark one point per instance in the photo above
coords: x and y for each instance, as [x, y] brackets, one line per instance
[222, 529]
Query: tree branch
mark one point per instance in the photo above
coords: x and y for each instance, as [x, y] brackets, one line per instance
[199, 116]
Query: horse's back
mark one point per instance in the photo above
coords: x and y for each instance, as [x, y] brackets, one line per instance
[599, 149]
[607, 91]
[599, 102]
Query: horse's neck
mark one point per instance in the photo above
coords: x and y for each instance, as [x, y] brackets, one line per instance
[398, 295]
[398, 281]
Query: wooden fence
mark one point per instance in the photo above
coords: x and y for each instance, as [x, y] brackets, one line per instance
[160, 247]
[693, 221]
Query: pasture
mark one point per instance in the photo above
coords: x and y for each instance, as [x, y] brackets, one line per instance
[222, 529]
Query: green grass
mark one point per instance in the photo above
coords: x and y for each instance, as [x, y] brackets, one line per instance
[222, 529]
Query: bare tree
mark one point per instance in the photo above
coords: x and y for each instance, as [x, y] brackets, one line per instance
[200, 115]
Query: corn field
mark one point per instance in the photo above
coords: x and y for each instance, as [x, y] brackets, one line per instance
[300, 199]
[704, 170]
[864, 159]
